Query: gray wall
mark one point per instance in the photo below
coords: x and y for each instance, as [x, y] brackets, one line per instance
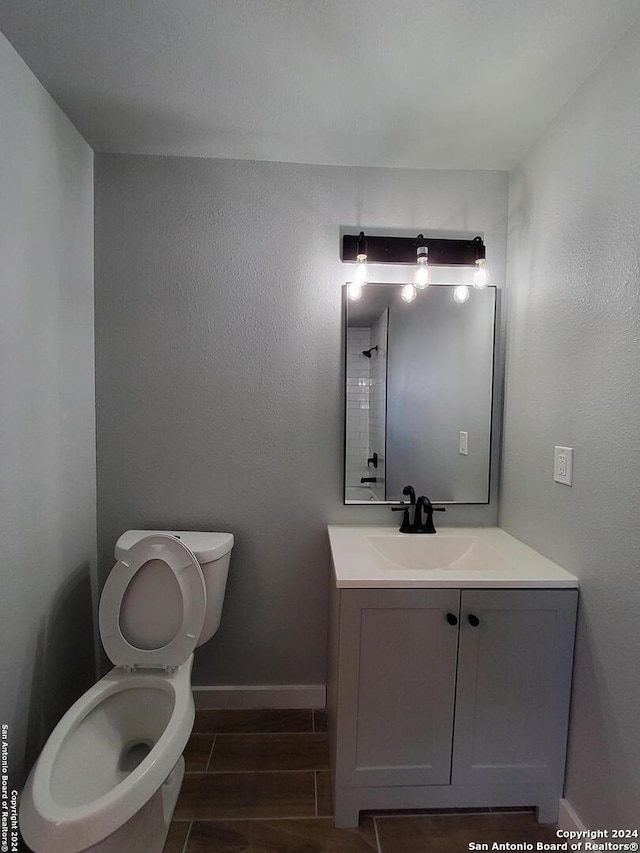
[219, 372]
[573, 379]
[47, 422]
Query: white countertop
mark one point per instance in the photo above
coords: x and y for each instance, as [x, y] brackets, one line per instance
[492, 559]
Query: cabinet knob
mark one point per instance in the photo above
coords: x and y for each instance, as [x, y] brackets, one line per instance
[473, 620]
[452, 619]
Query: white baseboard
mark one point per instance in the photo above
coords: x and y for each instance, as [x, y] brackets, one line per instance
[568, 818]
[261, 696]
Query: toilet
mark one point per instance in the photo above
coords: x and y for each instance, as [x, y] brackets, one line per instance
[109, 776]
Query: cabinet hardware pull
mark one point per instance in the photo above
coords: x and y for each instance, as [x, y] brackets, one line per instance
[452, 619]
[473, 620]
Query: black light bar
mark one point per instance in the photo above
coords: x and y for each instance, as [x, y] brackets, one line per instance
[403, 250]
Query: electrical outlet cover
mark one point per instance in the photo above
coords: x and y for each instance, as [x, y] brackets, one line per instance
[563, 465]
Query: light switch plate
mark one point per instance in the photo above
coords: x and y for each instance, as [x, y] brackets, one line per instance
[563, 465]
[463, 443]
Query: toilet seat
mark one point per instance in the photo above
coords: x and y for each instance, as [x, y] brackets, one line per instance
[186, 570]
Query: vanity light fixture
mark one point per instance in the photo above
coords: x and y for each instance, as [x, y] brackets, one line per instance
[481, 273]
[420, 252]
[360, 277]
[421, 279]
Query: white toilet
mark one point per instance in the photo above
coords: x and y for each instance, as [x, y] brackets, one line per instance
[108, 778]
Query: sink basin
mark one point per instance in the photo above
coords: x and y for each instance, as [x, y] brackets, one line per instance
[428, 553]
[379, 557]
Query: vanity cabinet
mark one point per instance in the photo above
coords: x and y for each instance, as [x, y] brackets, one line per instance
[449, 698]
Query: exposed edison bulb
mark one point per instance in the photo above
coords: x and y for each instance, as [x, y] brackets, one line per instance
[422, 276]
[461, 293]
[361, 275]
[421, 279]
[480, 275]
[408, 292]
[354, 290]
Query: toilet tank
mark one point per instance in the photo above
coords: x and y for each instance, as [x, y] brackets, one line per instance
[213, 552]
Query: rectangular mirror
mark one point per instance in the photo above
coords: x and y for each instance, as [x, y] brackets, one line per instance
[418, 394]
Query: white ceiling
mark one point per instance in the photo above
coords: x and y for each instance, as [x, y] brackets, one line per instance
[405, 83]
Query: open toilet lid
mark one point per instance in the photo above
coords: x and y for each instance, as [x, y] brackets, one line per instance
[186, 570]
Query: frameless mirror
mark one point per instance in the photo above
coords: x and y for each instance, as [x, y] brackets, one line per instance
[418, 394]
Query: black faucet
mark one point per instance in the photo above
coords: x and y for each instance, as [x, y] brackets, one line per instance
[411, 492]
[423, 504]
[407, 526]
[368, 479]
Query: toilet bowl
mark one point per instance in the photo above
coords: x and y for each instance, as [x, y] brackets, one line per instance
[109, 776]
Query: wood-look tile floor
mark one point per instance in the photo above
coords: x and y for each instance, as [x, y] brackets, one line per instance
[258, 782]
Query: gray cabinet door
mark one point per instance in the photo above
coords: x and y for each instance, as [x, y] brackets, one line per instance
[514, 682]
[396, 686]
